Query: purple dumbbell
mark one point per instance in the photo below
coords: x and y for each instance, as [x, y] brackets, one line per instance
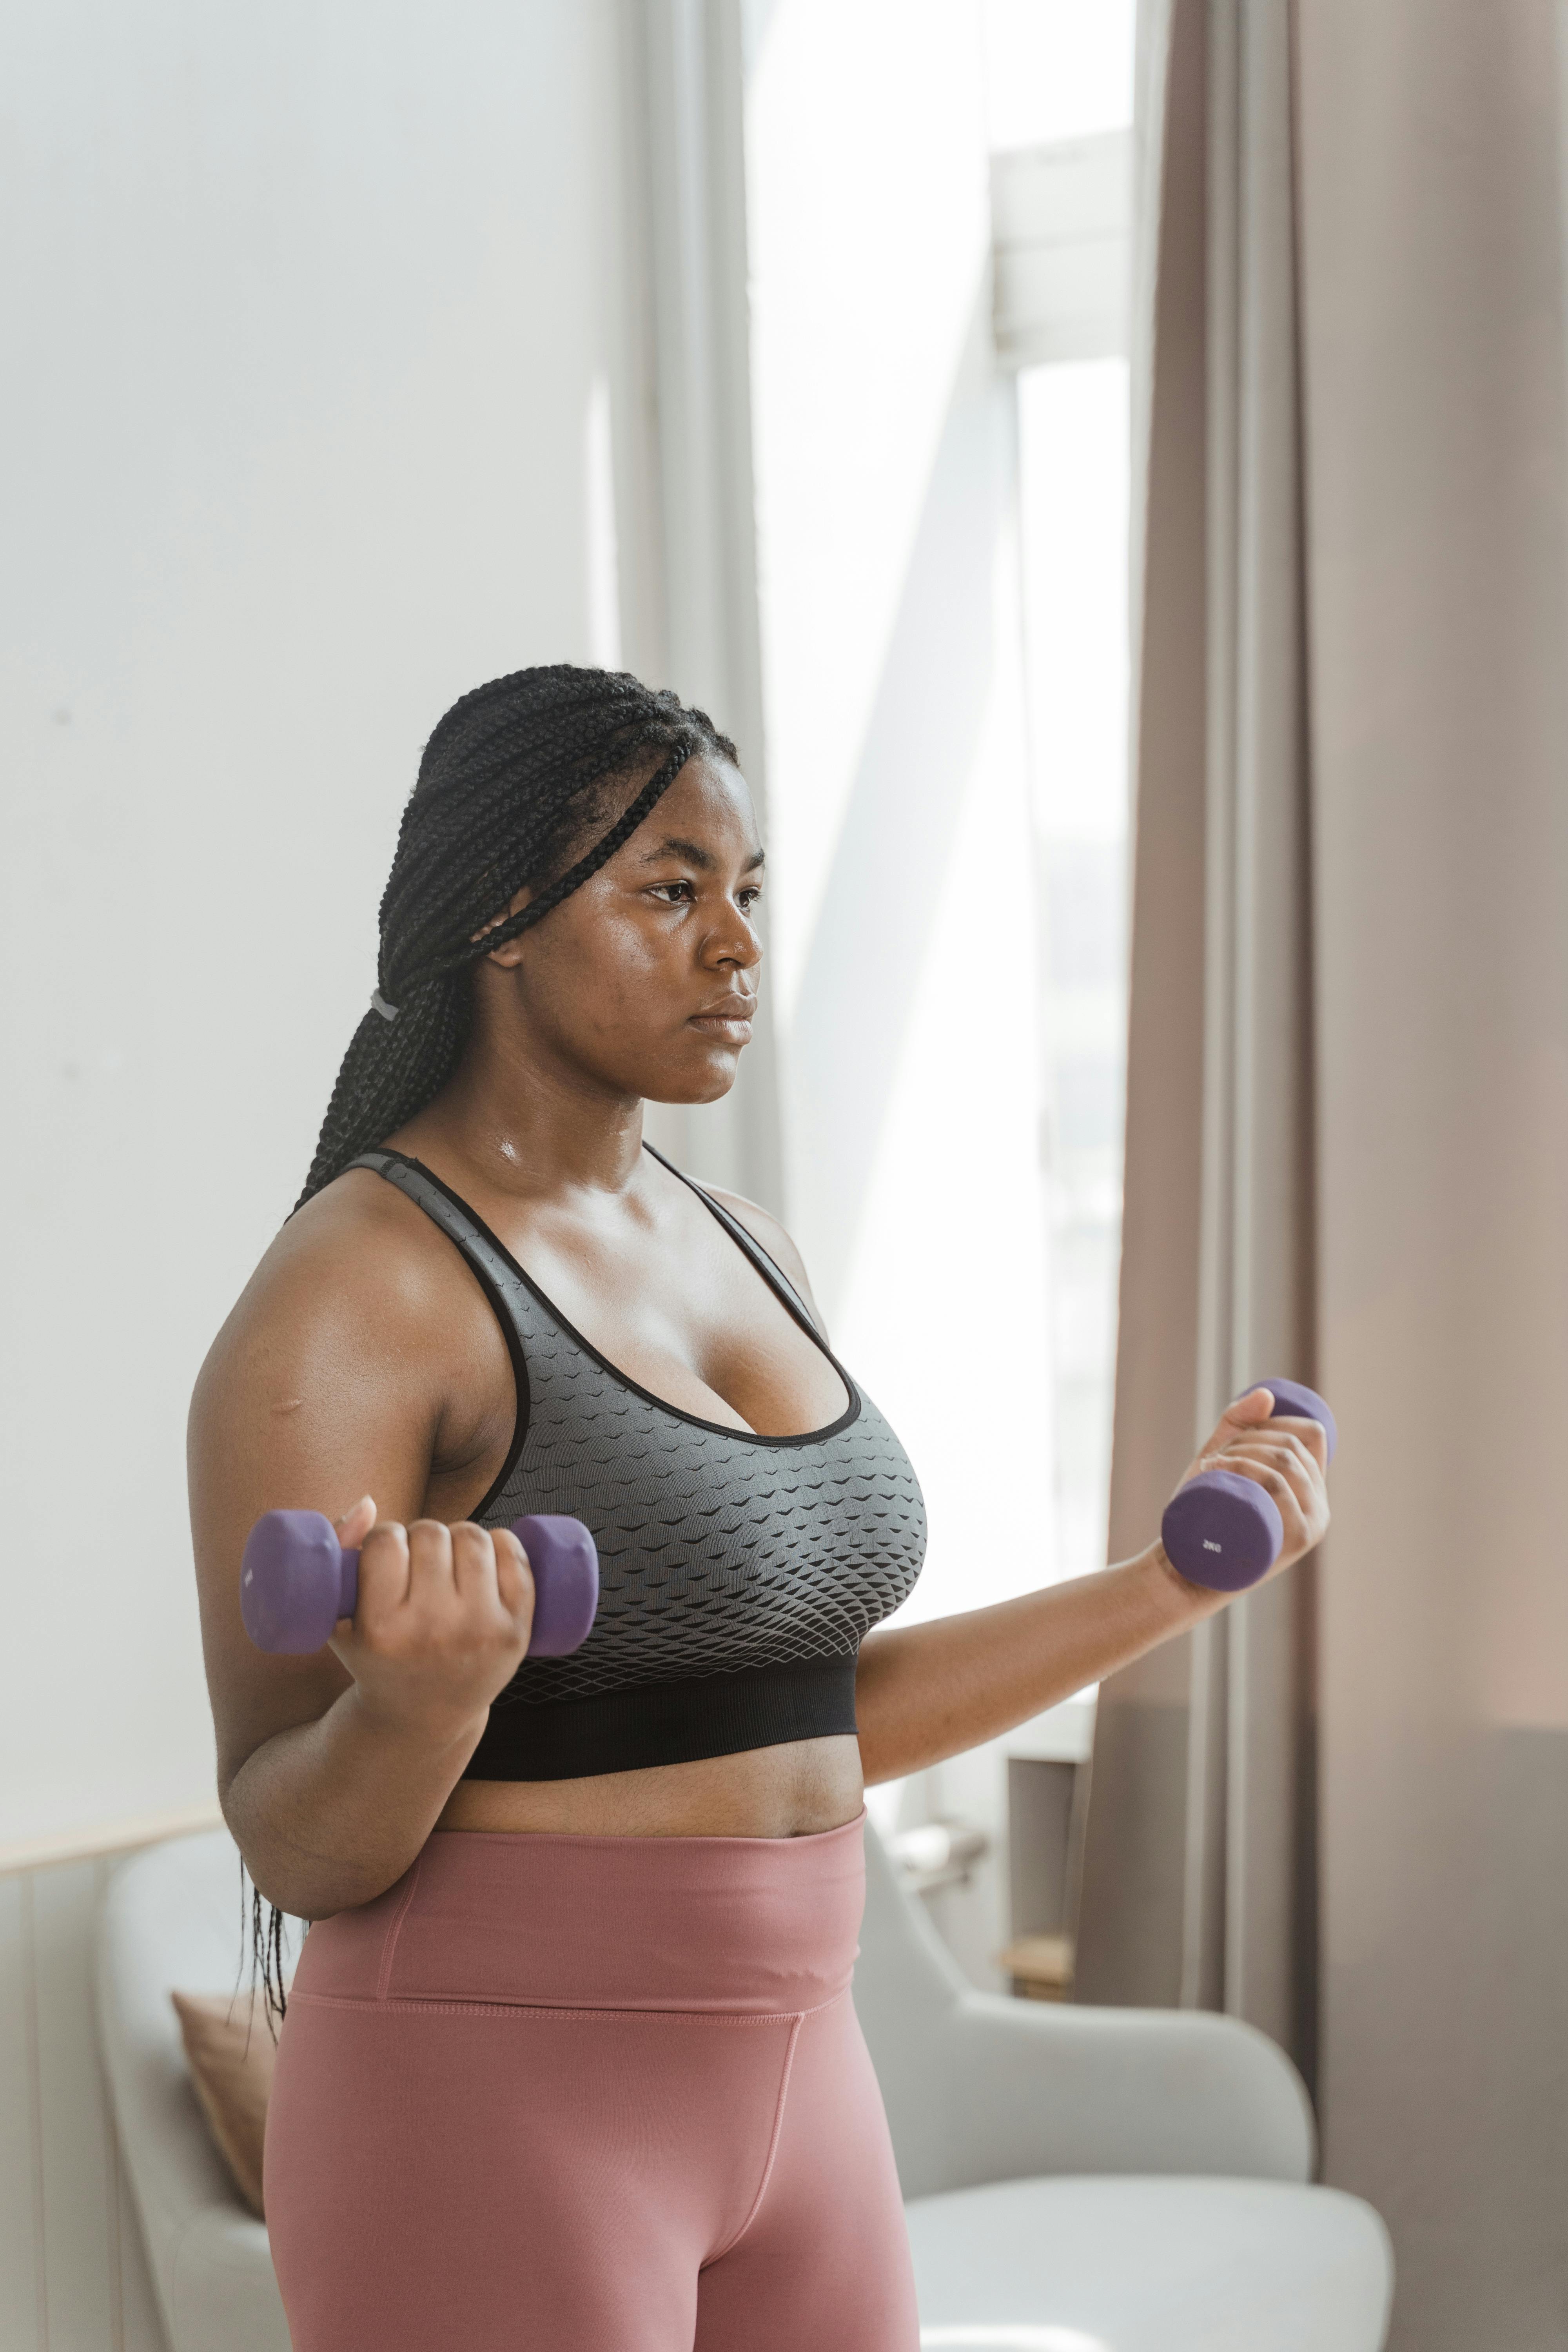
[296, 1581]
[1224, 1530]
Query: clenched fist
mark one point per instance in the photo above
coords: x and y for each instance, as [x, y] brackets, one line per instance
[1287, 1455]
[442, 1621]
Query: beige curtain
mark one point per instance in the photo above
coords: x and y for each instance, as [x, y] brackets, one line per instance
[1342, 1812]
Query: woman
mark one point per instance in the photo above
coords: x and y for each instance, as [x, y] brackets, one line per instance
[570, 2059]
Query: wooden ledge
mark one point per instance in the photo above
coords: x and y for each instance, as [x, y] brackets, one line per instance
[101, 1838]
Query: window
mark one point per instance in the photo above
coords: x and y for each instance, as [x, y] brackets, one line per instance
[1060, 103]
[938, 243]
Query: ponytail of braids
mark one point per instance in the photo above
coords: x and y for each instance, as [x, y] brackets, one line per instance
[511, 778]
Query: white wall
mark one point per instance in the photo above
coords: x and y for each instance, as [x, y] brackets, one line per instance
[307, 309]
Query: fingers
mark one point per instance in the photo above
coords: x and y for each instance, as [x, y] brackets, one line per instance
[493, 1574]
[427, 1566]
[1281, 1464]
[384, 1569]
[434, 1638]
[1311, 1433]
[1248, 1411]
[514, 1577]
[474, 1563]
[356, 1523]
[1282, 1472]
[1286, 1454]
[1255, 1410]
[432, 1574]
[1240, 1423]
[1307, 1441]
[485, 1569]
[1270, 1444]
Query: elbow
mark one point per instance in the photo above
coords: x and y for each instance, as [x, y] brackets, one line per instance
[311, 1892]
[294, 1879]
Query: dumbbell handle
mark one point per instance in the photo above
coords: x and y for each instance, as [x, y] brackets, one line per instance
[1224, 1530]
[296, 1581]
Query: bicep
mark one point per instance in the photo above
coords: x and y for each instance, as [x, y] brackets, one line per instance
[305, 1402]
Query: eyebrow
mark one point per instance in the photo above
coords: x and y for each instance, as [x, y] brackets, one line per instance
[695, 855]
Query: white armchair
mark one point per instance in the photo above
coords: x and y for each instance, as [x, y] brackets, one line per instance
[171, 1921]
[1103, 2180]
[1080, 2181]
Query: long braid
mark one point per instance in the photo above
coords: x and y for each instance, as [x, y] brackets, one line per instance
[507, 780]
[510, 780]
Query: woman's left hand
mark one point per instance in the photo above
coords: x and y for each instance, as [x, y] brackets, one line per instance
[1287, 1455]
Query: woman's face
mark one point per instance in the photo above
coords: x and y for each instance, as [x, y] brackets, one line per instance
[644, 979]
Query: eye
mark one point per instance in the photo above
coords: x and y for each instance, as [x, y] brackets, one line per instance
[749, 896]
[673, 893]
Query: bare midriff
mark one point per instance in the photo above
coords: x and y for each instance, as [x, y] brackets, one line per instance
[791, 1791]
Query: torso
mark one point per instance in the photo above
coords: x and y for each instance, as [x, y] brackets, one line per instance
[666, 1298]
[785, 1792]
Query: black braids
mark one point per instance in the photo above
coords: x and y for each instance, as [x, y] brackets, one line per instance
[386, 1072]
[461, 902]
[268, 1956]
[510, 777]
[603, 851]
[599, 854]
[458, 899]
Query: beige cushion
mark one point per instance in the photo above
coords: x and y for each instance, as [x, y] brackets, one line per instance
[230, 2050]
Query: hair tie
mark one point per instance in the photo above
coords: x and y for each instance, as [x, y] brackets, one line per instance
[387, 1012]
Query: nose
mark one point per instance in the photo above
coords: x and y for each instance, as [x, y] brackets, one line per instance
[734, 943]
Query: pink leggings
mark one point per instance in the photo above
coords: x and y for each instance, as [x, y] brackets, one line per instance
[589, 2095]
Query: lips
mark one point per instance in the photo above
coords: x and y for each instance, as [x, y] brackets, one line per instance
[730, 1018]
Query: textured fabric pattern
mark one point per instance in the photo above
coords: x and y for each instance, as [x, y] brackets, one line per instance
[719, 1550]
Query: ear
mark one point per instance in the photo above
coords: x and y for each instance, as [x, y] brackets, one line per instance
[509, 953]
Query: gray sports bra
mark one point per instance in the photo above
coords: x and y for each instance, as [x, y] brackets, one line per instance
[737, 1574]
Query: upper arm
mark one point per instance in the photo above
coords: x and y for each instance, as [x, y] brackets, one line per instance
[765, 1228]
[322, 1386]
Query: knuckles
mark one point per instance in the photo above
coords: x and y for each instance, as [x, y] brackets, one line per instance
[453, 1630]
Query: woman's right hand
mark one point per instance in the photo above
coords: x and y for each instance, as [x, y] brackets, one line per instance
[442, 1621]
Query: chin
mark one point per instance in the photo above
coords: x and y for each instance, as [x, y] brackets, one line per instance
[708, 1084]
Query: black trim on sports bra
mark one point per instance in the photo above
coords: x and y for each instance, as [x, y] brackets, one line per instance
[772, 1273]
[508, 1330]
[774, 1276]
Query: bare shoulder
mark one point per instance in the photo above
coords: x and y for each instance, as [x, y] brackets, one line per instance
[358, 1278]
[765, 1227]
[329, 1379]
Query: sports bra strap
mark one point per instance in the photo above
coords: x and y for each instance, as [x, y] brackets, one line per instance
[772, 1273]
[439, 1203]
[461, 1225]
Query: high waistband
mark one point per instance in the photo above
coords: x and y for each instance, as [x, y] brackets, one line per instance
[760, 1926]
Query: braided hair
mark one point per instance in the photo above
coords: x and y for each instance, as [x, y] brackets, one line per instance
[511, 779]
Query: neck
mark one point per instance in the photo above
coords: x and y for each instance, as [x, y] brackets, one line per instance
[514, 1121]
